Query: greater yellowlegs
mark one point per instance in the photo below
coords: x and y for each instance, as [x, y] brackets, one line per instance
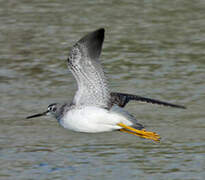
[94, 109]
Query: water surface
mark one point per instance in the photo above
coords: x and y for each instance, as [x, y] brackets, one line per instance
[152, 48]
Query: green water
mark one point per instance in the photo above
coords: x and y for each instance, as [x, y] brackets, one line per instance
[152, 48]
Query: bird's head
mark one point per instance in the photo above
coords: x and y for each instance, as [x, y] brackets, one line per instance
[53, 110]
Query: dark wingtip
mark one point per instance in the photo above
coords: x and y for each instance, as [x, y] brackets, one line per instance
[121, 99]
[101, 34]
[184, 107]
[101, 31]
[93, 42]
[177, 106]
[98, 36]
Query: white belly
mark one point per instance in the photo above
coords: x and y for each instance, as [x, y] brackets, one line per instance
[93, 119]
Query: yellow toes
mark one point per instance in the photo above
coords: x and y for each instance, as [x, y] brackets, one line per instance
[141, 133]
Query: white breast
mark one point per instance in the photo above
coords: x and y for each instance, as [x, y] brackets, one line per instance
[94, 119]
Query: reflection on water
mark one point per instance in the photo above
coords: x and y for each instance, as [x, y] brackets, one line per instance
[151, 48]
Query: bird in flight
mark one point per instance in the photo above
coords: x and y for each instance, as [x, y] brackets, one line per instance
[94, 108]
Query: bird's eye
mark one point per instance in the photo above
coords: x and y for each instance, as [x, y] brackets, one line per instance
[68, 59]
[54, 109]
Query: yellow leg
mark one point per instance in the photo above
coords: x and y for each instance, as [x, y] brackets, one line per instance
[146, 137]
[142, 133]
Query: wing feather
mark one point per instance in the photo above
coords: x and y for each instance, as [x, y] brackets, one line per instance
[121, 99]
[84, 64]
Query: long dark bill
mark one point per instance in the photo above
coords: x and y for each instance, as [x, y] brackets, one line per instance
[37, 115]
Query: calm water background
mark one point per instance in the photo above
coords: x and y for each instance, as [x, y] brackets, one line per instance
[152, 48]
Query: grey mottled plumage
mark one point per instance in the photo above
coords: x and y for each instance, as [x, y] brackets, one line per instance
[93, 105]
[83, 62]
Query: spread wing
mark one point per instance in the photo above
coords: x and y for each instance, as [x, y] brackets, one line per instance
[83, 62]
[121, 99]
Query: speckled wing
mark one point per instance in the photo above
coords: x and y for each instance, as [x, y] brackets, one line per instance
[121, 99]
[83, 62]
